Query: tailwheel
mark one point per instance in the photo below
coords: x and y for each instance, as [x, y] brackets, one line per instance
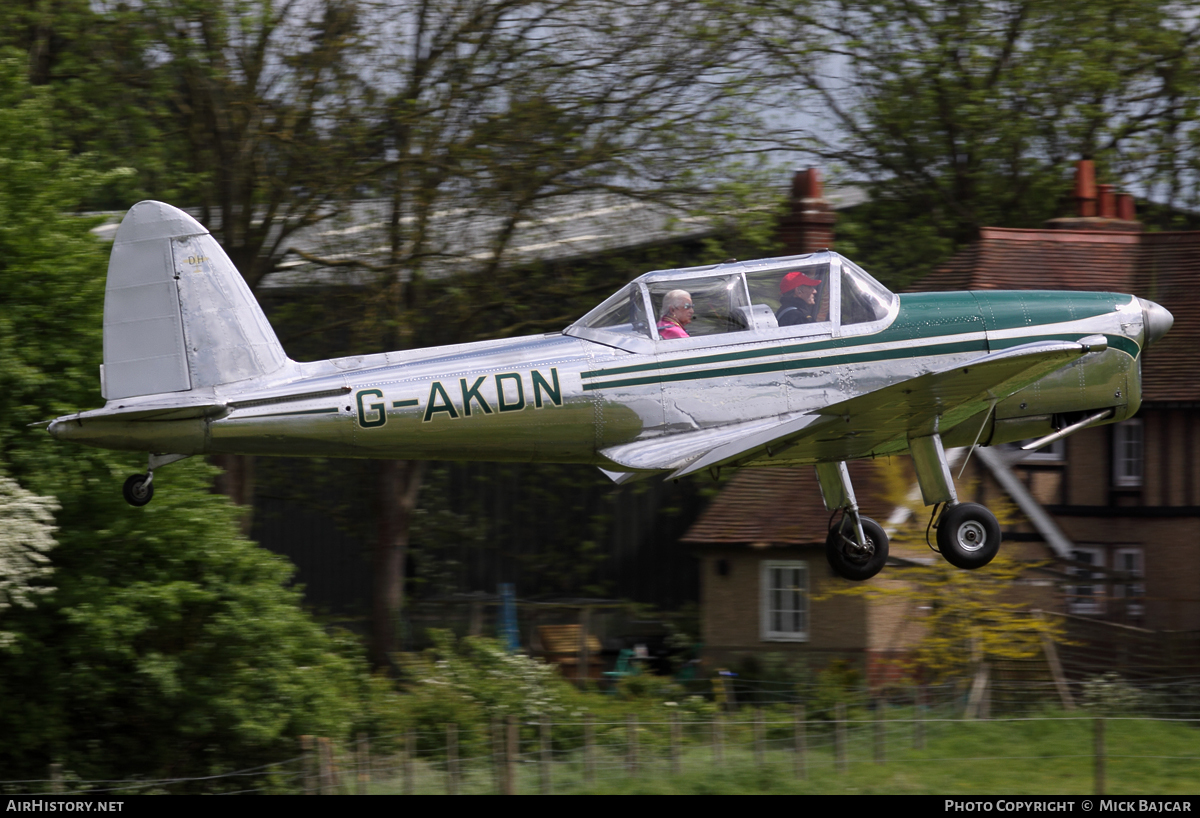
[139, 489]
[968, 535]
[850, 559]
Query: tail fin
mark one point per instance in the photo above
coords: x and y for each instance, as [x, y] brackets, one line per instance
[177, 314]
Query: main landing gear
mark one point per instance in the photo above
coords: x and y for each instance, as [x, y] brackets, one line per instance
[857, 546]
[968, 535]
[852, 558]
[139, 488]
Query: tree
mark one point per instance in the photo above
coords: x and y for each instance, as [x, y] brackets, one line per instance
[503, 113]
[960, 115]
[150, 656]
[487, 114]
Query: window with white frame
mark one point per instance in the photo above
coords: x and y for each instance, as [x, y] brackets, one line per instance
[1127, 561]
[1127, 454]
[1086, 595]
[783, 594]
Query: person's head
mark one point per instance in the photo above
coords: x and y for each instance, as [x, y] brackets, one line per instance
[677, 305]
[799, 287]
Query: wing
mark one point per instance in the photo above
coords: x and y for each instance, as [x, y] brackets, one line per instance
[883, 420]
[668, 452]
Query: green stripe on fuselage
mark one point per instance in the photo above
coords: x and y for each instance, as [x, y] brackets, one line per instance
[847, 357]
[947, 314]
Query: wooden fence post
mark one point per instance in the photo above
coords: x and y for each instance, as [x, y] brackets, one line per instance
[759, 749]
[919, 724]
[880, 732]
[839, 736]
[631, 733]
[363, 757]
[309, 764]
[56, 780]
[327, 775]
[452, 759]
[718, 728]
[547, 781]
[498, 754]
[589, 749]
[801, 743]
[511, 747]
[1099, 746]
[676, 745]
[410, 757]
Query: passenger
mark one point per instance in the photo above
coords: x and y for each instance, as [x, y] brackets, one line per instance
[677, 312]
[797, 299]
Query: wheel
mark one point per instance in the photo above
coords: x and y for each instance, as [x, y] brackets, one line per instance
[850, 561]
[968, 535]
[137, 491]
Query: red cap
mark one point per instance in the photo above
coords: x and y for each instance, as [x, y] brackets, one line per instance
[795, 279]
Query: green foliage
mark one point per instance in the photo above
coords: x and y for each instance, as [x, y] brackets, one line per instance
[480, 671]
[472, 681]
[962, 115]
[1111, 695]
[170, 646]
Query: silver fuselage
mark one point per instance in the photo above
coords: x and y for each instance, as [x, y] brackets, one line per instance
[564, 399]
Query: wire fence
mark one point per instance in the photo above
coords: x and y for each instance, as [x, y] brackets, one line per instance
[779, 741]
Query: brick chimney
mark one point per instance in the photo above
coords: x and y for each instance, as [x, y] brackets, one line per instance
[1099, 207]
[808, 225]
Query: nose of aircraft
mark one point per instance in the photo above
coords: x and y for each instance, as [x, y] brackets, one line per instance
[1157, 320]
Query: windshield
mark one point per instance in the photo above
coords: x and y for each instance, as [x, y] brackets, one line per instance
[801, 296]
[863, 298]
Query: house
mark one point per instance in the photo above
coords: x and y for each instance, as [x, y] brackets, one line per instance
[1114, 510]
[765, 583]
[1117, 506]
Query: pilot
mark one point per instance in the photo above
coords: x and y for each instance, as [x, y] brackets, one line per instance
[677, 312]
[797, 299]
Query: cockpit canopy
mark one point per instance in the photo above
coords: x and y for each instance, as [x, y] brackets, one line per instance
[744, 297]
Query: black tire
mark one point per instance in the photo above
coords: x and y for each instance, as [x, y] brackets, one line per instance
[137, 492]
[968, 535]
[845, 557]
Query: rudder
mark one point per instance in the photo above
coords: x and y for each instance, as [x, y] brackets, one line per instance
[178, 316]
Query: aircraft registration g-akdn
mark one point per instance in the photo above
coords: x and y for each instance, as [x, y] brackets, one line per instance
[191, 366]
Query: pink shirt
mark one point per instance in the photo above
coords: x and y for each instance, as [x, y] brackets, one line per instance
[668, 330]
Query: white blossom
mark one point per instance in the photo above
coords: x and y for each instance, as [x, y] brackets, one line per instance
[26, 536]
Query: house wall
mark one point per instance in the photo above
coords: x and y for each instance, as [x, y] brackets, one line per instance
[1162, 516]
[731, 608]
[1171, 553]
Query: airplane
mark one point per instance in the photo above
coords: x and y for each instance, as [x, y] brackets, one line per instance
[191, 367]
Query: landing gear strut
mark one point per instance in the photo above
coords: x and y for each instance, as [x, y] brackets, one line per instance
[856, 547]
[968, 535]
[139, 488]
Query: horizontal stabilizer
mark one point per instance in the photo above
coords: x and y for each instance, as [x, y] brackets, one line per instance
[154, 410]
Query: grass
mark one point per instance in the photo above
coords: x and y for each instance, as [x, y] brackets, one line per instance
[1042, 756]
